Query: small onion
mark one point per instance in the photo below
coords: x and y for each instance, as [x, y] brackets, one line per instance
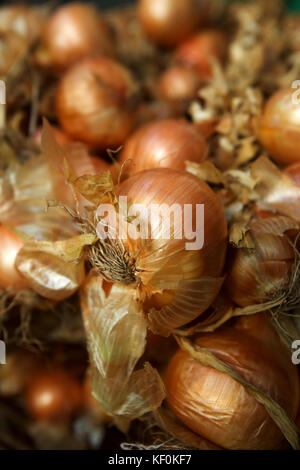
[257, 275]
[53, 396]
[179, 83]
[168, 22]
[197, 51]
[278, 127]
[72, 33]
[217, 407]
[166, 143]
[10, 245]
[96, 102]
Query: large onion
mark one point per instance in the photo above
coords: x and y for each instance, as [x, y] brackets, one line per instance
[217, 407]
[95, 102]
[167, 143]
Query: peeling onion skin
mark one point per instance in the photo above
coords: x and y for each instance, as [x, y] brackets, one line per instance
[256, 275]
[279, 127]
[168, 22]
[72, 33]
[166, 143]
[198, 50]
[53, 396]
[10, 246]
[217, 407]
[96, 101]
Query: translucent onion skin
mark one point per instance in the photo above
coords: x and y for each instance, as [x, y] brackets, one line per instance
[179, 83]
[10, 245]
[216, 406]
[197, 51]
[166, 143]
[53, 396]
[257, 275]
[72, 33]
[161, 264]
[168, 22]
[279, 127]
[95, 103]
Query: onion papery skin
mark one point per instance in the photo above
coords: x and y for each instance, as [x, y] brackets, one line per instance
[219, 408]
[166, 143]
[162, 265]
[95, 103]
[279, 127]
[198, 51]
[168, 22]
[256, 276]
[72, 33]
[10, 246]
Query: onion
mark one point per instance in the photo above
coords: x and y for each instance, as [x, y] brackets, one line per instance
[73, 32]
[198, 51]
[167, 143]
[168, 22]
[217, 407]
[278, 128]
[53, 395]
[258, 274]
[10, 246]
[95, 103]
[179, 83]
[161, 264]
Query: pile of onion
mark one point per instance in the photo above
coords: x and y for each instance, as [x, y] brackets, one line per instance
[222, 407]
[96, 101]
[72, 33]
[166, 143]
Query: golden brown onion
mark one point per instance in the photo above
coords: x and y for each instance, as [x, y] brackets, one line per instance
[259, 274]
[95, 102]
[10, 245]
[278, 128]
[74, 32]
[168, 22]
[179, 83]
[167, 143]
[198, 51]
[219, 408]
[53, 396]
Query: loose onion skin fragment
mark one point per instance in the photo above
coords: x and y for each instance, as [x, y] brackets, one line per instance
[96, 101]
[278, 128]
[217, 407]
[166, 143]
